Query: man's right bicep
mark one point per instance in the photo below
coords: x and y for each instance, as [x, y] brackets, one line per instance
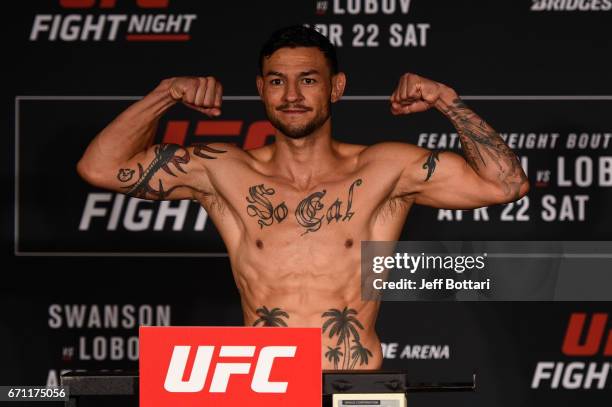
[161, 172]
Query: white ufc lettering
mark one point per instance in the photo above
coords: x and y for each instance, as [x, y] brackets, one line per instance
[260, 382]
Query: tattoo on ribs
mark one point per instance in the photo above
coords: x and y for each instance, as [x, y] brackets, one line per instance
[483, 146]
[343, 325]
[430, 164]
[166, 157]
[307, 213]
[270, 317]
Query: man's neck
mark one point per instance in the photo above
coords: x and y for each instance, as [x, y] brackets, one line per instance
[304, 160]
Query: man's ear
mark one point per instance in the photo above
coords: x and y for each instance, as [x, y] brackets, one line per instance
[338, 84]
[259, 82]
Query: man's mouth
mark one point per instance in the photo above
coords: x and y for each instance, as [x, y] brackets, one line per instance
[294, 110]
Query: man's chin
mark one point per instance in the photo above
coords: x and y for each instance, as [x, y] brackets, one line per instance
[294, 132]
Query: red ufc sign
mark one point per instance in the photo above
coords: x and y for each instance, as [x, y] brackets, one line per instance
[256, 134]
[230, 366]
[593, 338]
[112, 3]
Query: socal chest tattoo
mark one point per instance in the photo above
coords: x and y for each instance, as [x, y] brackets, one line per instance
[310, 212]
[307, 211]
[261, 207]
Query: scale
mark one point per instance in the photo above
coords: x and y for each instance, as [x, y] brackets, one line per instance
[379, 388]
[364, 388]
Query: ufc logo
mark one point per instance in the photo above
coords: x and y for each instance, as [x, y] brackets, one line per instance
[595, 334]
[256, 135]
[112, 3]
[229, 366]
[260, 382]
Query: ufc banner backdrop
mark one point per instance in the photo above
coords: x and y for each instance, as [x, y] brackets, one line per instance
[85, 268]
[570, 170]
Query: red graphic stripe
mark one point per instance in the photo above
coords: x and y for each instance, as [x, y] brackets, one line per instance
[176, 132]
[220, 128]
[158, 37]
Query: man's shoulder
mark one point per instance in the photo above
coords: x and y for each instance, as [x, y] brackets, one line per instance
[348, 149]
[259, 154]
[392, 150]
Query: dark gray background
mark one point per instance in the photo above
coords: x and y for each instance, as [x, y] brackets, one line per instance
[477, 47]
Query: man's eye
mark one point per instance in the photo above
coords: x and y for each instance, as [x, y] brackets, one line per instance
[309, 81]
[276, 81]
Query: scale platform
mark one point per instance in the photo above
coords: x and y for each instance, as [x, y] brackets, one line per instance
[92, 389]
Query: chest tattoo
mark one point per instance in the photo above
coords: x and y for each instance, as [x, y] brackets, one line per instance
[310, 212]
[261, 207]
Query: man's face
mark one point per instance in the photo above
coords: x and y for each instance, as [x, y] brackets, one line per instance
[296, 89]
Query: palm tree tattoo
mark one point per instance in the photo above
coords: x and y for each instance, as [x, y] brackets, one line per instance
[344, 324]
[334, 355]
[272, 317]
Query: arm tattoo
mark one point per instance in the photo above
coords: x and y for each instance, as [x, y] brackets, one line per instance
[261, 207]
[307, 213]
[343, 324]
[430, 164]
[165, 155]
[270, 317]
[483, 148]
[125, 174]
[169, 158]
[199, 148]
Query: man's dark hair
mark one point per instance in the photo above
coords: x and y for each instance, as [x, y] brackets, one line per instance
[299, 36]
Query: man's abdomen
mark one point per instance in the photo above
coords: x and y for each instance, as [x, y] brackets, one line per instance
[317, 286]
[348, 338]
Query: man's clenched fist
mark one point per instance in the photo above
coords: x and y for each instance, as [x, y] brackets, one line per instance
[417, 94]
[200, 93]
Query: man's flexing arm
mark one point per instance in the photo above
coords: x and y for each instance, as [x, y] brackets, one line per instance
[489, 174]
[122, 156]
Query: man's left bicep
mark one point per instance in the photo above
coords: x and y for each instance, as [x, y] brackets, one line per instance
[449, 182]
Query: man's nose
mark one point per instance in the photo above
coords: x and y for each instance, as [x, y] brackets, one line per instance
[293, 93]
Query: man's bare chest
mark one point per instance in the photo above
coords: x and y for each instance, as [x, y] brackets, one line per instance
[266, 203]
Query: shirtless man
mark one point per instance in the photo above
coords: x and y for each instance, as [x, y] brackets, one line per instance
[292, 214]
